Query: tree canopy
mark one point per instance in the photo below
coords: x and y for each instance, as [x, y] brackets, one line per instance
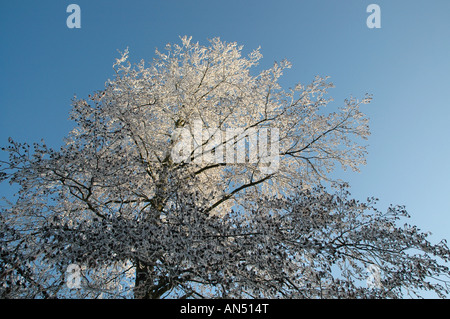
[147, 207]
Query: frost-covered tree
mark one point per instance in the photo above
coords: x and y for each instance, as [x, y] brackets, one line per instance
[142, 213]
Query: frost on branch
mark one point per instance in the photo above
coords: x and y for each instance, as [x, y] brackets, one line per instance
[141, 224]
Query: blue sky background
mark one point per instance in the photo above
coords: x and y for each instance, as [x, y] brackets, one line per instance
[405, 65]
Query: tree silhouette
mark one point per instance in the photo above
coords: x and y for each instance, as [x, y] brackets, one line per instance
[139, 220]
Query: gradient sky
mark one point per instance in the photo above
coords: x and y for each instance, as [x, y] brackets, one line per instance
[405, 65]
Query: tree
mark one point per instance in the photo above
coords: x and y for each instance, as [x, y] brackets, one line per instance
[147, 207]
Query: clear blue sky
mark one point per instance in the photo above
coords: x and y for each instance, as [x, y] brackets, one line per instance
[405, 65]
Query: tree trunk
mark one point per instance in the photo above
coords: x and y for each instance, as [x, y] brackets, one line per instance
[143, 282]
[145, 285]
